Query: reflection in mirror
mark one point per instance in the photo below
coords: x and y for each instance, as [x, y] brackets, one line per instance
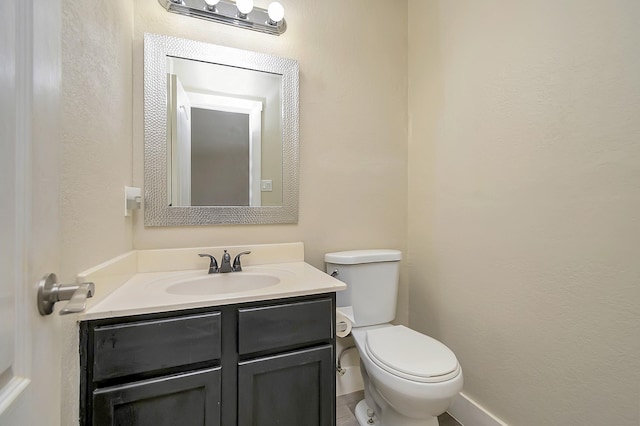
[221, 135]
[218, 134]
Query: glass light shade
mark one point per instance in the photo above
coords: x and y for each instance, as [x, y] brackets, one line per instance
[276, 12]
[244, 6]
[211, 3]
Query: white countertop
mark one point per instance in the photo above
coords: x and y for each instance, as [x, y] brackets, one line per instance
[146, 292]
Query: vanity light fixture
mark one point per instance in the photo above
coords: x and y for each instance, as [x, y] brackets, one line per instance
[240, 13]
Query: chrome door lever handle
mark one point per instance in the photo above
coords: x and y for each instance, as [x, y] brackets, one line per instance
[50, 292]
[78, 300]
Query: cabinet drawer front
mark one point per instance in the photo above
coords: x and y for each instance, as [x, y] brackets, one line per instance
[139, 347]
[286, 325]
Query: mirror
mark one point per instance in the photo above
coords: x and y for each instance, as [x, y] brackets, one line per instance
[221, 135]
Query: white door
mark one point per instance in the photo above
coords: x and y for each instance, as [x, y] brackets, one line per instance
[29, 138]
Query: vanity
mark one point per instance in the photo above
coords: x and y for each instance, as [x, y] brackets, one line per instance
[259, 363]
[163, 349]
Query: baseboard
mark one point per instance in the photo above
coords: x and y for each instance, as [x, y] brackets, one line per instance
[469, 413]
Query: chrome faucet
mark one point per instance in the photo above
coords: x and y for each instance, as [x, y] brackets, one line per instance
[225, 265]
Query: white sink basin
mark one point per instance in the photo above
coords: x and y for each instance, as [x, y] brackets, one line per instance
[212, 284]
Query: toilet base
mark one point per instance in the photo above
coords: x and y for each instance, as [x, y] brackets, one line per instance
[364, 420]
[362, 417]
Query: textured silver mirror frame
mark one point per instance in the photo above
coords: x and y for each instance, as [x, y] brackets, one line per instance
[157, 212]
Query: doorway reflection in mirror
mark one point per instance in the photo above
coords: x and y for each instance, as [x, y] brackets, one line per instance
[224, 135]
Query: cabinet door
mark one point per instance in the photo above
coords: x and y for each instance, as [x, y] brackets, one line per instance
[190, 399]
[290, 389]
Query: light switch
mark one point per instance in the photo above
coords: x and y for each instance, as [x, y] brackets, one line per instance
[266, 185]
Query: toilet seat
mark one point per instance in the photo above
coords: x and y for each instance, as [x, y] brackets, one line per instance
[411, 355]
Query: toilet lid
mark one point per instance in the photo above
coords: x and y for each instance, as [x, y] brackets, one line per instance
[411, 355]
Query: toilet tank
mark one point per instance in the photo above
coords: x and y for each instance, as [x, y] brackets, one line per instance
[372, 283]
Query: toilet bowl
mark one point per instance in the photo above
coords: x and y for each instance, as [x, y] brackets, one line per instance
[409, 378]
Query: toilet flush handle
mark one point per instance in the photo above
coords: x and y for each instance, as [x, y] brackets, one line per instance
[335, 273]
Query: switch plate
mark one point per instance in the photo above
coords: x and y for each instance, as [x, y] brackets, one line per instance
[266, 185]
[132, 199]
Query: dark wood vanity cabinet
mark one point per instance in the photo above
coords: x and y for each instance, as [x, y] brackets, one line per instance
[260, 363]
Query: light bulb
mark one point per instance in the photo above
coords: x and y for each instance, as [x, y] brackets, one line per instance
[244, 6]
[276, 12]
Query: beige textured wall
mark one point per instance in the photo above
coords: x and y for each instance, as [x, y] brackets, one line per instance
[524, 201]
[96, 154]
[353, 115]
[97, 132]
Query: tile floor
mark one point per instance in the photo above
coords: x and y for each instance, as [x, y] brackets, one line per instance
[346, 404]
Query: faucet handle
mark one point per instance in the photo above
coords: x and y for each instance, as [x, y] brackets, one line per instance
[213, 265]
[237, 267]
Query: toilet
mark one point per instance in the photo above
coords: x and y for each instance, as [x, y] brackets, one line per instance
[409, 378]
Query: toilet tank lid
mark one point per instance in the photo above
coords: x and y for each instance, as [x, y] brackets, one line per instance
[353, 257]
